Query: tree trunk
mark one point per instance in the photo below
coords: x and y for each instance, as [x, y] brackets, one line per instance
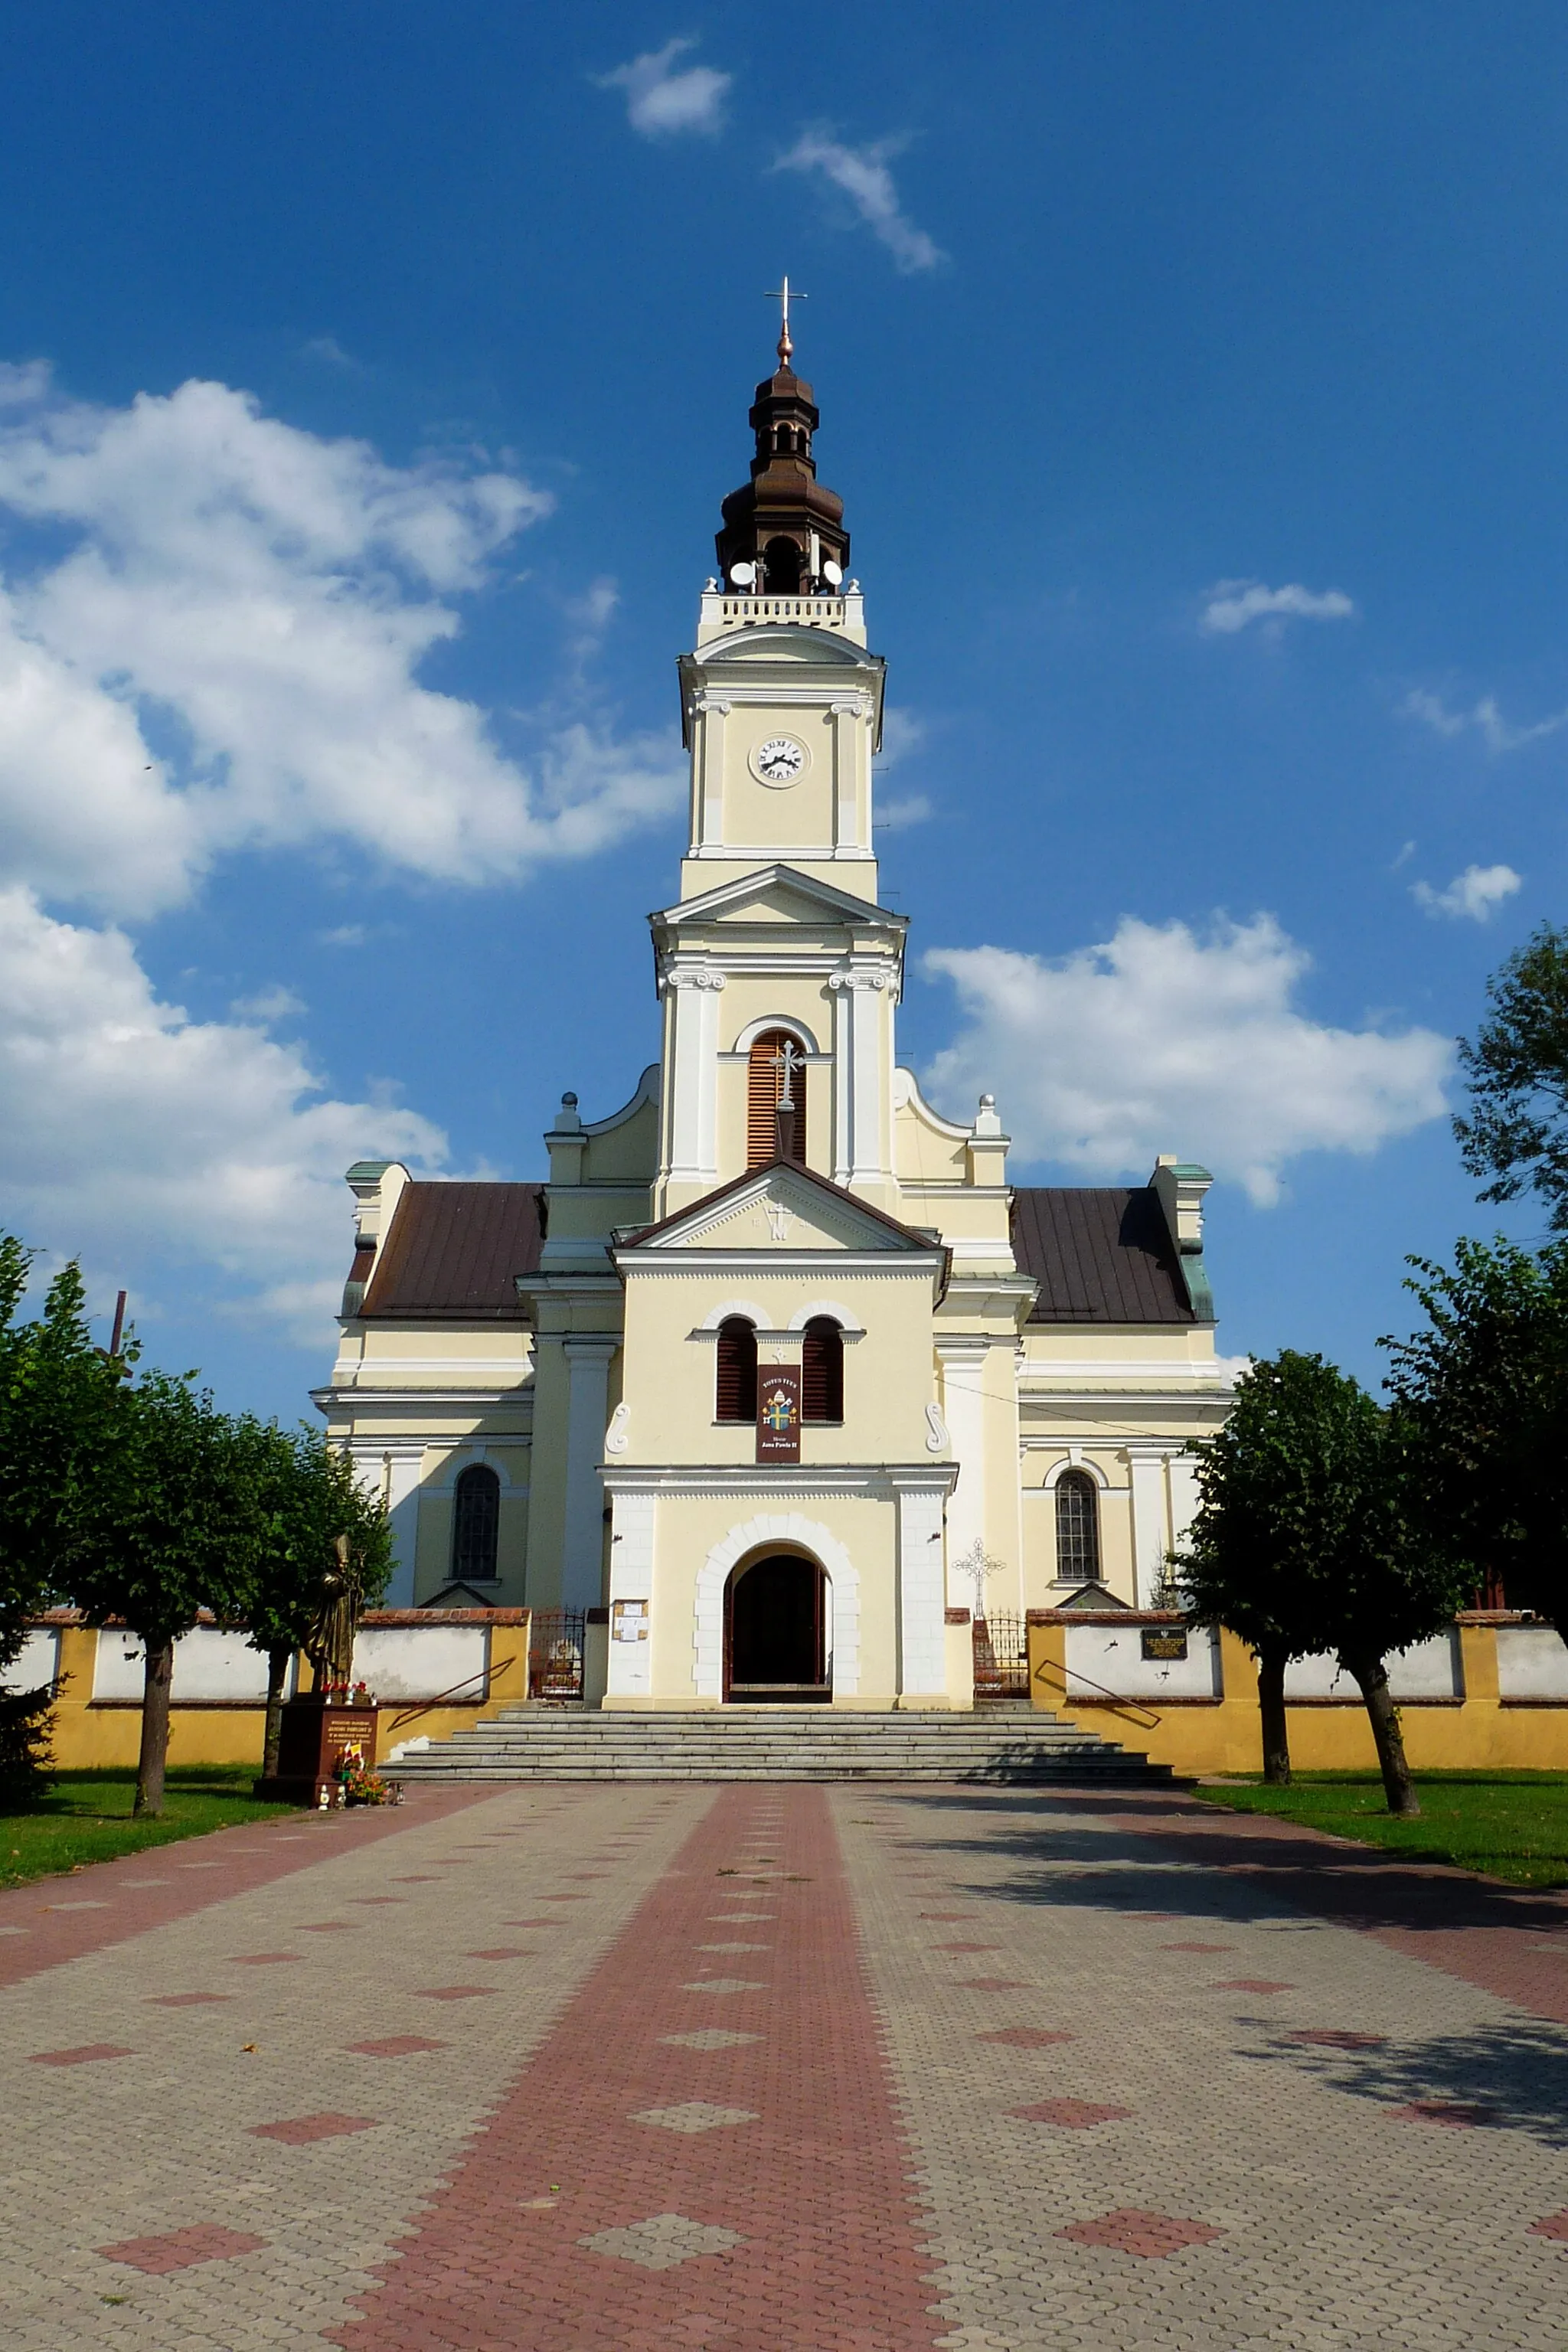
[1271, 1707]
[277, 1658]
[154, 1756]
[1384, 1717]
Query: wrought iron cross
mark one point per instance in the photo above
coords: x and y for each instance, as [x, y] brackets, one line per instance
[785, 295]
[786, 1060]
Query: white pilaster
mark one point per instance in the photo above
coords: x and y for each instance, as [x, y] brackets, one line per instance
[962, 1357]
[693, 990]
[922, 1597]
[393, 1473]
[587, 1395]
[1147, 1474]
[851, 828]
[631, 1578]
[863, 995]
[708, 816]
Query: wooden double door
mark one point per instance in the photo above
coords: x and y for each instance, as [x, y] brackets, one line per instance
[775, 1631]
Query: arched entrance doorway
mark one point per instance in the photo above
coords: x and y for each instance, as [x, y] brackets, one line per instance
[775, 1628]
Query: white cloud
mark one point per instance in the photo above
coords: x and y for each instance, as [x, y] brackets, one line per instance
[1159, 1040]
[136, 1136]
[1476, 893]
[660, 102]
[909, 808]
[327, 349]
[1484, 719]
[344, 935]
[861, 173]
[1234, 604]
[268, 1004]
[216, 643]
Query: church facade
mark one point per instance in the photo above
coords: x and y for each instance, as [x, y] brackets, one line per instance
[776, 1374]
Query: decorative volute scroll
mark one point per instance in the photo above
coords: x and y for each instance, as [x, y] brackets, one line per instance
[615, 1438]
[937, 1438]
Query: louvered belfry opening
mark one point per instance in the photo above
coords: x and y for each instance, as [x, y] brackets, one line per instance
[822, 1370]
[764, 1087]
[735, 1378]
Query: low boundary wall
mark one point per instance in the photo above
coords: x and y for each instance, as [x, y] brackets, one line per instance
[432, 1669]
[1491, 1692]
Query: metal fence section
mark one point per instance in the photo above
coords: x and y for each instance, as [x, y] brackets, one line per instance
[555, 1655]
[1001, 1658]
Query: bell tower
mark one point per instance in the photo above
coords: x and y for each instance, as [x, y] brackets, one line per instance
[778, 944]
[784, 532]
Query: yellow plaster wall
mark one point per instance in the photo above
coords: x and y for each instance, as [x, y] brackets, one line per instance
[1476, 1734]
[888, 1375]
[88, 1737]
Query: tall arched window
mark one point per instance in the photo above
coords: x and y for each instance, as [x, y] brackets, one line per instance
[475, 1523]
[1078, 1528]
[822, 1370]
[764, 1090]
[735, 1378]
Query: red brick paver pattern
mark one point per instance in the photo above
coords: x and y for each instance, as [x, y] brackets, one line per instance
[658, 2177]
[734, 2092]
[179, 2250]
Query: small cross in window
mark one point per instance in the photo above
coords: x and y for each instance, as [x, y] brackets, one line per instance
[786, 1060]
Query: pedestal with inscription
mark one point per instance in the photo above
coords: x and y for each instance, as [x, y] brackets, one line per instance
[318, 1733]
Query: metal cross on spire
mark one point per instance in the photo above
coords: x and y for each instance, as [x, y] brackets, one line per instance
[785, 295]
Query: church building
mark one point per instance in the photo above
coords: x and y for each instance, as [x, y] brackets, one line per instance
[777, 1378]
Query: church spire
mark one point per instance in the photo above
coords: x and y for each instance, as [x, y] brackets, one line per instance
[783, 533]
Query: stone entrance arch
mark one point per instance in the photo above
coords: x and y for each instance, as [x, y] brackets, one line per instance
[775, 1631]
[787, 1531]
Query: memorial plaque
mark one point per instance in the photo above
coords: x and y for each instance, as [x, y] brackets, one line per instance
[1164, 1642]
[778, 1413]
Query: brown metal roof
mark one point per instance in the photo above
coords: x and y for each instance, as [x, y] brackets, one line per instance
[1099, 1255]
[454, 1249]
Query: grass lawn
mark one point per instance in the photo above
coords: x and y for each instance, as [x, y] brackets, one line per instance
[1511, 1824]
[86, 1817]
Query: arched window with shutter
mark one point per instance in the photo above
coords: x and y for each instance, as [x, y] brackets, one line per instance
[476, 1525]
[822, 1370]
[735, 1378]
[764, 1085]
[1078, 1528]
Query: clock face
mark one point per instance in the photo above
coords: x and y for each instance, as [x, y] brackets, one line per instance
[779, 760]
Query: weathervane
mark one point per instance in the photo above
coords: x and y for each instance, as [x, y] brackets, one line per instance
[783, 295]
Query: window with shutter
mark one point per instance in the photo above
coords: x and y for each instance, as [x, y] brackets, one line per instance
[822, 1370]
[1078, 1528]
[476, 1524]
[764, 1085]
[735, 1378]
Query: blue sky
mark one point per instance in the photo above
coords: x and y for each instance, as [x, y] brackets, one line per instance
[1194, 377]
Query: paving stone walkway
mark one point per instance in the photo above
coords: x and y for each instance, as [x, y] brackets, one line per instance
[864, 2069]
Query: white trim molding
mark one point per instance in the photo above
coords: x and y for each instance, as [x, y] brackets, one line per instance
[755, 1534]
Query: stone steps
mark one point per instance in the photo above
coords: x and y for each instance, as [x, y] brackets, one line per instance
[997, 1744]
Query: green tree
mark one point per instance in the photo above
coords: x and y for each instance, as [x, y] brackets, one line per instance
[1317, 1502]
[170, 1526]
[1255, 1524]
[1517, 1132]
[309, 1502]
[58, 1397]
[1484, 1389]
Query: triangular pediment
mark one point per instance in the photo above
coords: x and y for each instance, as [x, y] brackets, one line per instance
[778, 893]
[785, 1208]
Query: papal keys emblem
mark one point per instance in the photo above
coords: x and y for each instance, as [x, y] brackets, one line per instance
[779, 1413]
